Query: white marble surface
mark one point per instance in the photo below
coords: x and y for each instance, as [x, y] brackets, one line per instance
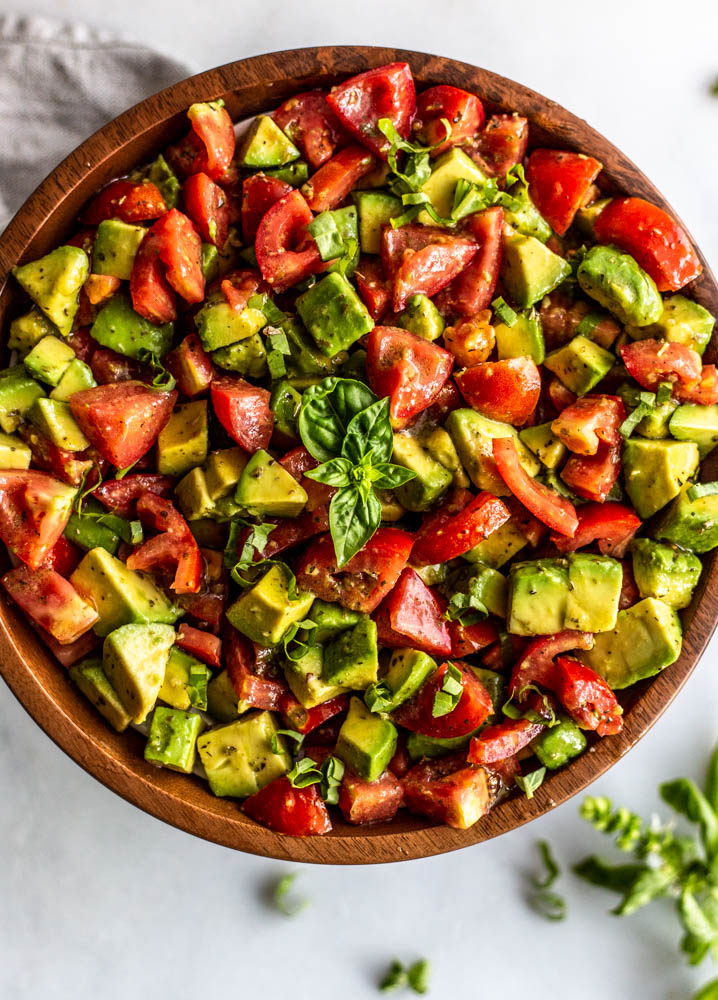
[98, 899]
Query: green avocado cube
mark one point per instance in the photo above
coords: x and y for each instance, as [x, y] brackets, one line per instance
[266, 489]
[665, 571]
[265, 145]
[586, 217]
[121, 329]
[54, 420]
[447, 170]
[538, 595]
[443, 450]
[54, 281]
[682, 321]
[647, 639]
[14, 453]
[306, 681]
[594, 589]
[557, 745]
[486, 584]
[692, 524]
[693, 422]
[173, 739]
[115, 247]
[529, 270]
[238, 758]
[405, 674]
[366, 742]
[473, 435]
[49, 359]
[331, 619]
[524, 338]
[193, 497]
[77, 376]
[334, 314]
[90, 533]
[219, 325]
[185, 681]
[134, 658]
[18, 392]
[305, 358]
[223, 470]
[422, 318]
[352, 659]
[656, 422]
[431, 481]
[265, 612]
[542, 441]
[500, 546]
[163, 176]
[580, 364]
[92, 680]
[521, 213]
[655, 471]
[376, 209]
[28, 330]
[246, 357]
[616, 282]
[285, 403]
[295, 173]
[184, 440]
[222, 701]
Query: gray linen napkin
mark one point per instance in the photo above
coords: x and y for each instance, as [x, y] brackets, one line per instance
[59, 83]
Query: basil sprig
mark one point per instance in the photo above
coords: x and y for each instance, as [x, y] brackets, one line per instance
[345, 427]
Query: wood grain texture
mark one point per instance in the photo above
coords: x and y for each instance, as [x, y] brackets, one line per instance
[41, 685]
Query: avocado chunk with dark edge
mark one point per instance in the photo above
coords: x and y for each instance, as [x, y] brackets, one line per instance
[92, 680]
[134, 658]
[239, 759]
[665, 571]
[366, 742]
[121, 329]
[557, 745]
[352, 659]
[172, 741]
[616, 282]
[692, 524]
[334, 314]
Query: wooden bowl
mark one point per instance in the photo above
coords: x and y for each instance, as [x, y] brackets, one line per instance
[248, 87]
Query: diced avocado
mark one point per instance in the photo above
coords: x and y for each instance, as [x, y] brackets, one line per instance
[448, 168]
[422, 318]
[223, 471]
[296, 173]
[134, 658]
[352, 659]
[391, 509]
[77, 376]
[656, 422]
[239, 759]
[594, 589]
[185, 681]
[285, 403]
[173, 739]
[586, 217]
[334, 314]
[331, 619]
[305, 679]
[692, 524]
[90, 533]
[419, 746]
[92, 681]
[366, 742]
[306, 359]
[495, 684]
[116, 244]
[14, 453]
[682, 321]
[28, 330]
[266, 489]
[53, 282]
[615, 280]
[549, 449]
[210, 262]
[431, 480]
[529, 270]
[655, 471]
[192, 495]
[522, 214]
[692, 422]
[18, 392]
[538, 596]
[222, 701]
[665, 571]
[163, 176]
[184, 439]
[376, 209]
[265, 611]
[265, 145]
[524, 338]
[472, 435]
[647, 638]
[500, 546]
[432, 575]
[443, 450]
[219, 325]
[580, 364]
[54, 420]
[246, 357]
[121, 329]
[407, 671]
[48, 360]
[557, 745]
[485, 583]
[120, 595]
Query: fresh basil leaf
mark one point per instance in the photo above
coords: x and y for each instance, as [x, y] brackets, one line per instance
[514, 711]
[278, 340]
[552, 870]
[378, 697]
[386, 476]
[304, 773]
[695, 921]
[418, 976]
[353, 519]
[467, 607]
[664, 392]
[618, 878]
[550, 905]
[276, 365]
[646, 404]
[280, 894]
[588, 324]
[470, 198]
[420, 201]
[648, 885]
[335, 472]
[702, 490]
[163, 379]
[329, 240]
[332, 773]
[275, 316]
[327, 410]
[529, 783]
[684, 796]
[121, 473]
[292, 734]
[369, 432]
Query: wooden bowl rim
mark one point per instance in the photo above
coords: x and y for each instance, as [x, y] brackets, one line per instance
[31, 671]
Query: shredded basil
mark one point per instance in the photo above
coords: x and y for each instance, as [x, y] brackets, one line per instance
[702, 490]
[548, 903]
[504, 311]
[529, 783]
[449, 695]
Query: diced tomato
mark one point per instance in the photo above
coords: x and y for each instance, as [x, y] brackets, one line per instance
[410, 615]
[121, 495]
[396, 242]
[305, 720]
[254, 684]
[334, 180]
[100, 287]
[630, 593]
[385, 92]
[529, 526]
[84, 239]
[291, 531]
[449, 533]
[191, 366]
[63, 557]
[407, 368]
[463, 111]
[298, 461]
[130, 201]
[704, 392]
[400, 763]
[473, 289]
[207, 206]
[152, 295]
[536, 666]
[68, 466]
[558, 184]
[108, 366]
[611, 524]
[593, 476]
[503, 740]
[297, 812]
[502, 143]
[370, 801]
[469, 639]
[188, 156]
[651, 362]
[72, 651]
[212, 124]
[373, 288]
[560, 396]
[203, 645]
[122, 421]
[448, 791]
[505, 770]
[502, 390]
[179, 247]
[446, 400]
[653, 238]
[282, 228]
[473, 708]
[259, 193]
[238, 287]
[51, 602]
[174, 547]
[82, 343]
[586, 697]
[502, 654]
[582, 425]
[243, 410]
[311, 125]
[432, 268]
[366, 578]
[205, 608]
[554, 510]
[34, 511]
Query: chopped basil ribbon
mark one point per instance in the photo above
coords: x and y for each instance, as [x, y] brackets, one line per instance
[121, 473]
[529, 783]
[292, 734]
[329, 240]
[273, 314]
[504, 311]
[281, 892]
[407, 183]
[377, 697]
[418, 976]
[397, 977]
[531, 715]
[588, 324]
[664, 393]
[449, 695]
[646, 405]
[467, 608]
[304, 773]
[394, 979]
[163, 380]
[549, 904]
[332, 773]
[702, 490]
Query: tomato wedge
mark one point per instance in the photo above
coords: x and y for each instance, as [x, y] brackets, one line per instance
[373, 288]
[297, 812]
[203, 645]
[179, 247]
[407, 368]
[473, 708]
[282, 228]
[63, 557]
[586, 697]
[410, 615]
[306, 720]
[152, 295]
[34, 511]
[554, 510]
[558, 184]
[502, 143]
[121, 495]
[448, 791]
[243, 410]
[432, 268]
[582, 425]
[130, 201]
[457, 527]
[334, 180]
[611, 524]
[259, 193]
[253, 682]
[207, 206]
[592, 477]
[503, 740]
[463, 111]
[212, 124]
[174, 547]
[385, 92]
[51, 602]
[311, 124]
[473, 289]
[468, 639]
[536, 666]
[506, 390]
[370, 801]
[651, 362]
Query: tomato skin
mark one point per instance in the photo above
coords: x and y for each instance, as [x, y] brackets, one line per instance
[152, 295]
[592, 477]
[473, 289]
[448, 533]
[473, 708]
[205, 608]
[305, 720]
[655, 240]
[373, 288]
[252, 682]
[121, 495]
[63, 557]
[296, 812]
[429, 270]
[214, 128]
[259, 193]
[207, 206]
[50, 601]
[496, 743]
[311, 124]
[407, 368]
[554, 510]
[586, 697]
[506, 390]
[463, 111]
[282, 227]
[99, 288]
[334, 180]
[469, 639]
[651, 362]
[364, 802]
[395, 242]
[536, 666]
[448, 791]
[502, 143]
[130, 201]
[704, 392]
[384, 92]
[243, 410]
[203, 645]
[558, 183]
[68, 466]
[366, 578]
[179, 247]
[123, 420]
[410, 615]
[582, 425]
[72, 651]
[34, 511]
[191, 366]
[174, 546]
[611, 524]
